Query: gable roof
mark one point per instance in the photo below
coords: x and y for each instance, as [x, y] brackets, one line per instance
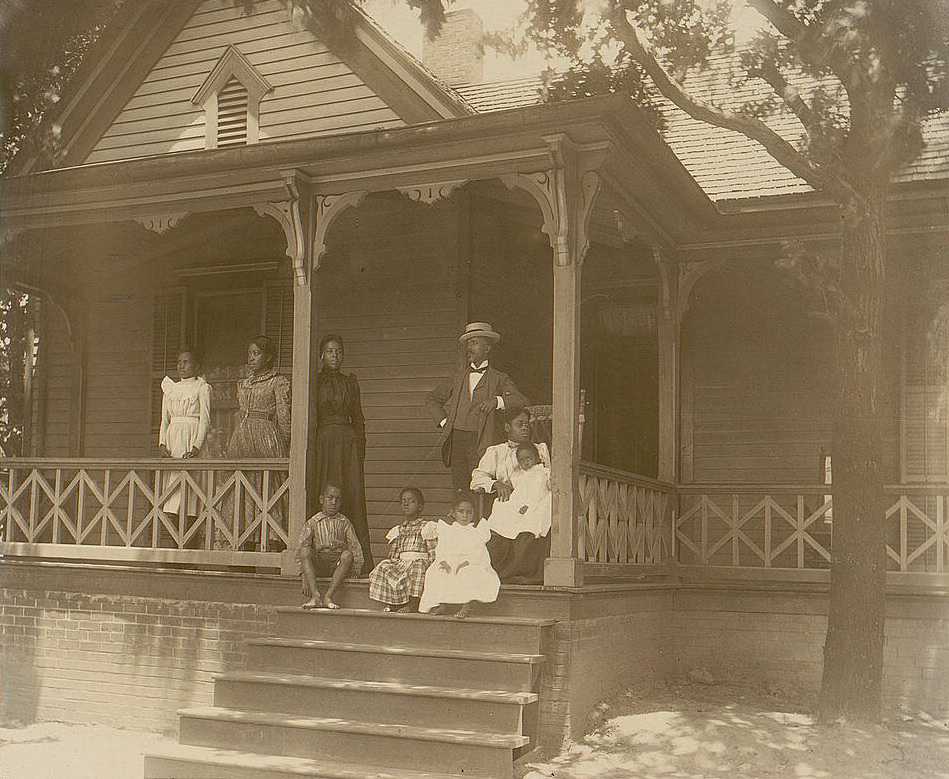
[119, 103]
[726, 164]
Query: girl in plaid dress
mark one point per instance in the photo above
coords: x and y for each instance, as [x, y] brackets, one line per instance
[397, 582]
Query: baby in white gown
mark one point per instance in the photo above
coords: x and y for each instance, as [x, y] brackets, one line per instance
[528, 510]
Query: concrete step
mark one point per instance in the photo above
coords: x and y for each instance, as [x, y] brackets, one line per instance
[464, 752]
[483, 633]
[385, 702]
[508, 671]
[190, 762]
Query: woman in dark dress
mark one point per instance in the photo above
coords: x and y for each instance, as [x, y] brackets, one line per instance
[341, 439]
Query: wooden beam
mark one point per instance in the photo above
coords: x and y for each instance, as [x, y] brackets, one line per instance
[303, 420]
[563, 567]
[669, 328]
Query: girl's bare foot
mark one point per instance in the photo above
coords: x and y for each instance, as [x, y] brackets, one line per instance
[330, 604]
[407, 609]
[313, 603]
[437, 610]
[464, 612]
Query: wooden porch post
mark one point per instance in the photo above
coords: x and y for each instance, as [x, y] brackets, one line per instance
[303, 419]
[667, 316]
[305, 218]
[563, 567]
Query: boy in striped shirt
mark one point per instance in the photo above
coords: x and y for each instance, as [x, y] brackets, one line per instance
[328, 548]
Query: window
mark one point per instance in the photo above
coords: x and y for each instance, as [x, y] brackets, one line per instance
[231, 96]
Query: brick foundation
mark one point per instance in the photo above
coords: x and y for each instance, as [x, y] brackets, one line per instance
[120, 654]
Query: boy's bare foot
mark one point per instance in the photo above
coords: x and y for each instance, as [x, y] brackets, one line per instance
[330, 604]
[464, 612]
[437, 610]
[313, 603]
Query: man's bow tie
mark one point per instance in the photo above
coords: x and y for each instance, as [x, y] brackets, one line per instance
[482, 369]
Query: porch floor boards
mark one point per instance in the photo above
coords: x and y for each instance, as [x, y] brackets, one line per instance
[355, 694]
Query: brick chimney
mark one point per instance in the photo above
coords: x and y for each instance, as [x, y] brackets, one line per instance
[456, 55]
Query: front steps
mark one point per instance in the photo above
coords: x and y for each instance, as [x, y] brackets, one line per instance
[365, 695]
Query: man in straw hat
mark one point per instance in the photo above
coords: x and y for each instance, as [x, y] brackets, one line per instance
[465, 406]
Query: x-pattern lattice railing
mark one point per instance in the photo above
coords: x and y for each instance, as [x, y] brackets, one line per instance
[754, 526]
[625, 518]
[235, 506]
[916, 529]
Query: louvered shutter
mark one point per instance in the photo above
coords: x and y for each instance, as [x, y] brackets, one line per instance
[169, 333]
[278, 322]
[925, 424]
[232, 114]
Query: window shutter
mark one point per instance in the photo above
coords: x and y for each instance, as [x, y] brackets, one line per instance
[232, 114]
[169, 333]
[278, 322]
[925, 424]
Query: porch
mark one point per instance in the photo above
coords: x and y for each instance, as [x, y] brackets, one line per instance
[699, 366]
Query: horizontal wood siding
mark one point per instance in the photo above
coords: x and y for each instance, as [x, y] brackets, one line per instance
[385, 287]
[762, 396]
[314, 92]
[59, 370]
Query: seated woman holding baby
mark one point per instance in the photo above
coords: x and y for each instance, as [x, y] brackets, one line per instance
[517, 474]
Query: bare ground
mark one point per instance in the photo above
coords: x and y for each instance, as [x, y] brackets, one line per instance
[700, 730]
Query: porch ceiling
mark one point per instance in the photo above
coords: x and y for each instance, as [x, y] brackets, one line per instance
[640, 173]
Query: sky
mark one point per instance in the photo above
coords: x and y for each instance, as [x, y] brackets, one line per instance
[402, 23]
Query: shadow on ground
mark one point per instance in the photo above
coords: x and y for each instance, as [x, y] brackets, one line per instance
[700, 732]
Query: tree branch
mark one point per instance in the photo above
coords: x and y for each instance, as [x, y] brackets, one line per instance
[770, 73]
[812, 44]
[755, 129]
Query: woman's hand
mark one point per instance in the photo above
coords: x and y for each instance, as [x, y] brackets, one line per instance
[163, 451]
[192, 453]
[445, 566]
[522, 510]
[503, 490]
[461, 565]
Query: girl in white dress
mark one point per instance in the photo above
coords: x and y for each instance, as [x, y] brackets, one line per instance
[461, 572]
[185, 419]
[528, 510]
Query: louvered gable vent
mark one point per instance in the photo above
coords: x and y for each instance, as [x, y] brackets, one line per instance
[232, 114]
[231, 96]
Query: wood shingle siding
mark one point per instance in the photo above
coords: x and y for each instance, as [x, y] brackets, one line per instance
[314, 92]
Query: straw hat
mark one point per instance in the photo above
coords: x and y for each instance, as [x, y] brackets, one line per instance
[479, 330]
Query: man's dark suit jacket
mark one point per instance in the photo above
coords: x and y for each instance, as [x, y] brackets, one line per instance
[442, 402]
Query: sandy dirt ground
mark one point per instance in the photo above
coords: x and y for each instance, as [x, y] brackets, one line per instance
[688, 730]
[694, 730]
[52, 750]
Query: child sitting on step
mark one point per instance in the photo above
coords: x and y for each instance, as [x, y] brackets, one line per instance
[397, 582]
[461, 572]
[328, 548]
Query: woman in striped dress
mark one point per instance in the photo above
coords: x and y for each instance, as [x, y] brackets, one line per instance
[397, 582]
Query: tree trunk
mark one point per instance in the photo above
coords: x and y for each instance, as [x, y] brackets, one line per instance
[853, 652]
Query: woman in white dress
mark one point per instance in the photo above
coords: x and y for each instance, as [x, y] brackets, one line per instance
[461, 572]
[185, 419]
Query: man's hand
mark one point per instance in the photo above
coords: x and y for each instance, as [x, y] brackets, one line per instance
[503, 490]
[163, 451]
[194, 452]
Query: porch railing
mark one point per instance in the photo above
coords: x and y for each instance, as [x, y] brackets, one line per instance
[225, 512]
[626, 519]
[791, 527]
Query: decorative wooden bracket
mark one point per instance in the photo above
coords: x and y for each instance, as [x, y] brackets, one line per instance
[566, 194]
[161, 223]
[328, 207]
[294, 215]
[689, 275]
[430, 193]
